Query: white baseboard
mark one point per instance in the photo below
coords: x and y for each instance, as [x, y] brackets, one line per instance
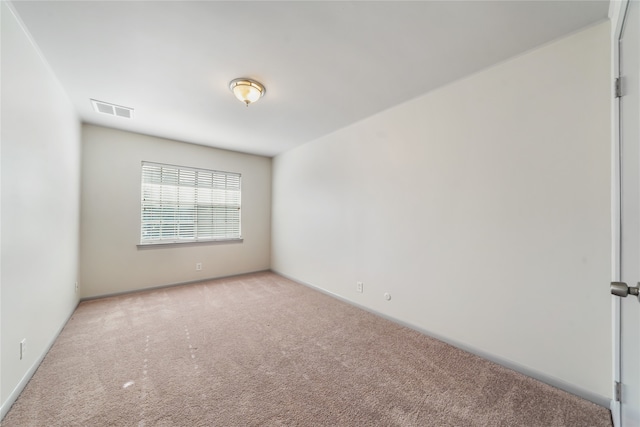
[169, 285]
[547, 379]
[13, 396]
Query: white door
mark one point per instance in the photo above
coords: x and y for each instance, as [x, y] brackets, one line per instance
[629, 133]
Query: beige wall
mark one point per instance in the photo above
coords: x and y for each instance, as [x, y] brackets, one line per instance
[111, 262]
[483, 208]
[40, 177]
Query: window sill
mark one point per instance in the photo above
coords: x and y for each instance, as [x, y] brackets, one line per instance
[157, 245]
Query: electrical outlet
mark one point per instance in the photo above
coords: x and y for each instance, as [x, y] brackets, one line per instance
[198, 266]
[23, 348]
[360, 287]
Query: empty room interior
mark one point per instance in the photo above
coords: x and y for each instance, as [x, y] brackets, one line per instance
[399, 180]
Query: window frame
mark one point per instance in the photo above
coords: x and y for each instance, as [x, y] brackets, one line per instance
[190, 190]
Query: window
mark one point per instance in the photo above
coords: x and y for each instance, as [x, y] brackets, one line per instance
[182, 204]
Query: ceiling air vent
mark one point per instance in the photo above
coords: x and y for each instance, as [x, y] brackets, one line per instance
[112, 109]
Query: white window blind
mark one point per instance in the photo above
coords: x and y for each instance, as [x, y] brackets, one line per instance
[183, 204]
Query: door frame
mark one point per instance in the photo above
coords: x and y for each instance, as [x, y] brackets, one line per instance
[617, 10]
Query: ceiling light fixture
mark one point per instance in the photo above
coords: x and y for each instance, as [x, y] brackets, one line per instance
[247, 90]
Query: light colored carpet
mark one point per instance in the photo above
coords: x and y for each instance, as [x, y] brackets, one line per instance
[260, 350]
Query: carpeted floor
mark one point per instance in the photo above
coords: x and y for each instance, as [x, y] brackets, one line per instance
[260, 350]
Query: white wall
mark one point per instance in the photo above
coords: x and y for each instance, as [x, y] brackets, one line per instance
[483, 208]
[111, 262]
[40, 175]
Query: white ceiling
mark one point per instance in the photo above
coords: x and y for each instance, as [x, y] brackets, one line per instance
[325, 64]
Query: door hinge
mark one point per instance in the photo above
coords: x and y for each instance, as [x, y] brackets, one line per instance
[618, 87]
[618, 391]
